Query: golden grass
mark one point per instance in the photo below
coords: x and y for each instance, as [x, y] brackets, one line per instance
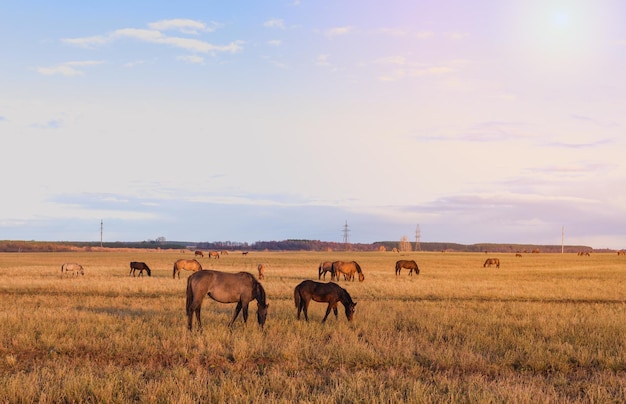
[543, 328]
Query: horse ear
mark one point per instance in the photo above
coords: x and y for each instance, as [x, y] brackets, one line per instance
[355, 304]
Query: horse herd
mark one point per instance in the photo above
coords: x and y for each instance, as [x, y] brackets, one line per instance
[243, 287]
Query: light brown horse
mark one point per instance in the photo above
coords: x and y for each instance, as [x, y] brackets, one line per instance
[492, 261]
[75, 269]
[348, 269]
[411, 265]
[621, 252]
[322, 292]
[214, 254]
[187, 265]
[326, 266]
[225, 287]
[261, 269]
[198, 252]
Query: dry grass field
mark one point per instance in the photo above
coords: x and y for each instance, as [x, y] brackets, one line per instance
[543, 328]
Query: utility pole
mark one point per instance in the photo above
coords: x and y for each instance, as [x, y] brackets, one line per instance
[562, 239]
[101, 229]
[418, 237]
[346, 238]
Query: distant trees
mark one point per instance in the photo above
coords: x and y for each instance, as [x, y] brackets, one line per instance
[404, 244]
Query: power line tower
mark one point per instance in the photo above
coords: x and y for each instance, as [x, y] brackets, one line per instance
[101, 230]
[346, 238]
[418, 236]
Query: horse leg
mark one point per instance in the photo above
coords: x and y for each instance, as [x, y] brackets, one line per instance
[237, 310]
[335, 311]
[306, 309]
[327, 312]
[245, 313]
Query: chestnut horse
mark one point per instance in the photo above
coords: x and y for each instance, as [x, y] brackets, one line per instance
[322, 292]
[187, 265]
[75, 269]
[348, 269]
[139, 266]
[326, 266]
[492, 261]
[261, 269]
[225, 287]
[411, 265]
[198, 252]
[214, 254]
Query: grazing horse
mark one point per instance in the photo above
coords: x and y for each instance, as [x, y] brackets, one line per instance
[139, 266]
[348, 269]
[322, 292]
[492, 261]
[187, 265]
[244, 253]
[411, 265]
[261, 269]
[75, 269]
[326, 266]
[518, 255]
[225, 287]
[224, 252]
[621, 252]
[198, 252]
[214, 254]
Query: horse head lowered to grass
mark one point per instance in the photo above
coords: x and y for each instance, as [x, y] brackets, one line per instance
[225, 287]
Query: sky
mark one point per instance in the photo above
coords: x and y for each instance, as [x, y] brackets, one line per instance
[492, 121]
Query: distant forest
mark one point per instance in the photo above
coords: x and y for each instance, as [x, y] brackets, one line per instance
[286, 245]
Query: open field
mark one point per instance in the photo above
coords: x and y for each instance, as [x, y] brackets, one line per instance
[542, 328]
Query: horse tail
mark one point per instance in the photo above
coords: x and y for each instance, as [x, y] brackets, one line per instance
[296, 297]
[189, 297]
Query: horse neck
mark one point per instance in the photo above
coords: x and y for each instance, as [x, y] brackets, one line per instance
[345, 297]
[259, 293]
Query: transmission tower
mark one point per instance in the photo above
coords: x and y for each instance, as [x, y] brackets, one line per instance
[346, 231]
[418, 236]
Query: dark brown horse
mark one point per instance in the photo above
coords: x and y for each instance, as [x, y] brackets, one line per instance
[326, 266]
[225, 287]
[322, 292]
[139, 266]
[187, 265]
[348, 269]
[198, 252]
[411, 265]
[492, 261]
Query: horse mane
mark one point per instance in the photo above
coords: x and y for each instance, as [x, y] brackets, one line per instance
[345, 296]
[358, 267]
[259, 292]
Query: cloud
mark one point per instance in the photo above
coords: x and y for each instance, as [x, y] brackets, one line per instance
[51, 124]
[275, 42]
[67, 69]
[156, 36]
[184, 25]
[274, 23]
[194, 59]
[338, 31]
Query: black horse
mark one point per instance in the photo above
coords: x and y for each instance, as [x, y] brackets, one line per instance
[322, 292]
[139, 266]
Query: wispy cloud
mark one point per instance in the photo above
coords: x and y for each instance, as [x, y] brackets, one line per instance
[193, 59]
[338, 31]
[68, 69]
[185, 26]
[275, 42]
[275, 23]
[51, 124]
[155, 35]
